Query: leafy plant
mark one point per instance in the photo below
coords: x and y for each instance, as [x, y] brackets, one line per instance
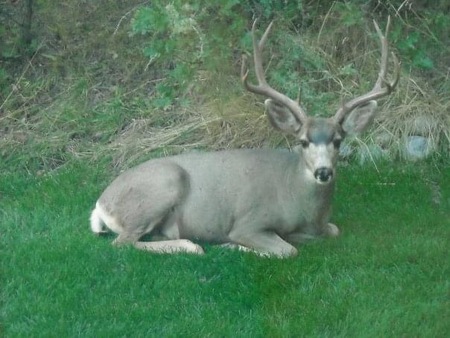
[182, 41]
[178, 42]
[415, 50]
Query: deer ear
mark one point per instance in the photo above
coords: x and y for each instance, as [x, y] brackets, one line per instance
[359, 118]
[281, 117]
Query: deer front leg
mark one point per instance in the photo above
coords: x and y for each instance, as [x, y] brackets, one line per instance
[264, 243]
[329, 230]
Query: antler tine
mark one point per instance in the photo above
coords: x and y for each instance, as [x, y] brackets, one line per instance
[257, 52]
[263, 88]
[378, 91]
[384, 52]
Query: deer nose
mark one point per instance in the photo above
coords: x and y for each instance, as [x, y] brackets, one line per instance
[323, 174]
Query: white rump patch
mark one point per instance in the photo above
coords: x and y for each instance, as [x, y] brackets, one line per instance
[100, 217]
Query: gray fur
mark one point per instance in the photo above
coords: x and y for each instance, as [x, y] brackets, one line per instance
[268, 201]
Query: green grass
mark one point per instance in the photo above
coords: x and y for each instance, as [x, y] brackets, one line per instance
[386, 276]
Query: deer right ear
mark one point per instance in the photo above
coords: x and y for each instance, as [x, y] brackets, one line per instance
[282, 118]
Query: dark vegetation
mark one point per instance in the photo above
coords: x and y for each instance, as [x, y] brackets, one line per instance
[98, 79]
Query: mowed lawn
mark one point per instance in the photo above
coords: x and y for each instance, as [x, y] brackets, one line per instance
[388, 275]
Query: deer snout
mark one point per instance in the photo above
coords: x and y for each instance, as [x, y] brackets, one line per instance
[323, 174]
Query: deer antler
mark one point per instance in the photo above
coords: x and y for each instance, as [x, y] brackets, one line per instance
[263, 87]
[378, 90]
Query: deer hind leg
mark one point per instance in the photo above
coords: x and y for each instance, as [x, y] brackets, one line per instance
[131, 233]
[102, 221]
[167, 238]
[100, 218]
[137, 205]
[146, 210]
[161, 246]
[131, 226]
[170, 246]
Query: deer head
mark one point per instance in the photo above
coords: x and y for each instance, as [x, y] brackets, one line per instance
[320, 138]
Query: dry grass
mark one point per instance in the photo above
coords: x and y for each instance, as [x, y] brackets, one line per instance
[414, 111]
[234, 122]
[416, 108]
[225, 120]
[105, 111]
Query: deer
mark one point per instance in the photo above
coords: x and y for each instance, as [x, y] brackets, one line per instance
[266, 201]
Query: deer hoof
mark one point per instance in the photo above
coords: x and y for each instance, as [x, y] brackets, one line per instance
[332, 230]
[190, 247]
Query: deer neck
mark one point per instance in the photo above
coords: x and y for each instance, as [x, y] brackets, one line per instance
[304, 186]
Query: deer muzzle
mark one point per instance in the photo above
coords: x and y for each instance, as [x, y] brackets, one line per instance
[323, 175]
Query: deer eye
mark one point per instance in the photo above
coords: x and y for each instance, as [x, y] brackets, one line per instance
[337, 143]
[304, 143]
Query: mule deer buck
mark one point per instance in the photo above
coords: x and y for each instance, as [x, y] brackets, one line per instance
[265, 201]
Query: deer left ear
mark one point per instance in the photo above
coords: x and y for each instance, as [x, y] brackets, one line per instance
[282, 118]
[359, 118]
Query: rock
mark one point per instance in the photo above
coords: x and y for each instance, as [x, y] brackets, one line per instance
[418, 147]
